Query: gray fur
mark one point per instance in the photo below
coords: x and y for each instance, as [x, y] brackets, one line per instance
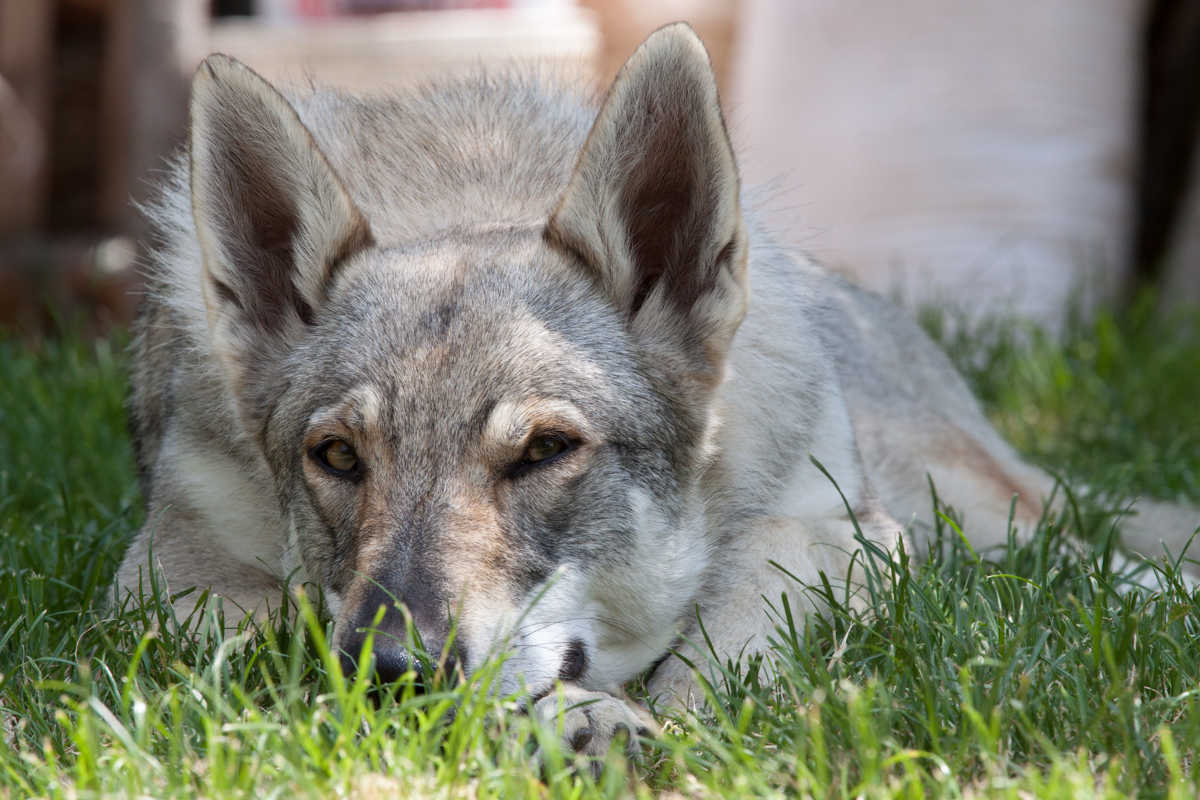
[459, 275]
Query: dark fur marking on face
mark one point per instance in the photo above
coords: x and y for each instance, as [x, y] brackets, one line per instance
[529, 562]
[479, 421]
[575, 662]
[338, 572]
[228, 295]
[409, 567]
[437, 320]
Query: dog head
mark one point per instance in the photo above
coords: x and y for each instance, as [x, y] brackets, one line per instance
[496, 432]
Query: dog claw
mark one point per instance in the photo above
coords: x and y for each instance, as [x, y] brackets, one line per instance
[592, 721]
[582, 738]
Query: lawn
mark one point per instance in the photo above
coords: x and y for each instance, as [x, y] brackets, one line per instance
[1025, 671]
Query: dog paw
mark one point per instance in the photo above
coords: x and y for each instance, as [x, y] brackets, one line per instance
[593, 721]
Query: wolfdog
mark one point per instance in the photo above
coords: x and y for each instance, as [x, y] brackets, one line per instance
[494, 360]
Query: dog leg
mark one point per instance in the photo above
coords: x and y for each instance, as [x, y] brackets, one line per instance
[181, 559]
[735, 617]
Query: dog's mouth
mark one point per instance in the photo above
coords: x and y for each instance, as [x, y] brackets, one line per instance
[575, 662]
[572, 669]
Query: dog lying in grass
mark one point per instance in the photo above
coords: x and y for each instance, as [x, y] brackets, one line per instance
[497, 362]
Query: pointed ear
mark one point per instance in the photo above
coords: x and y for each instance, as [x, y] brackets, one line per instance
[652, 209]
[274, 220]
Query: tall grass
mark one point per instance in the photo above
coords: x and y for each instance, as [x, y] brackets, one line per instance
[1032, 670]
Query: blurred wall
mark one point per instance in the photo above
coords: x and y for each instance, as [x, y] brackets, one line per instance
[626, 23]
[371, 54]
[153, 48]
[26, 67]
[980, 153]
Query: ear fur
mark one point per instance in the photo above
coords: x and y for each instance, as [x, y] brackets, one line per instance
[653, 211]
[273, 218]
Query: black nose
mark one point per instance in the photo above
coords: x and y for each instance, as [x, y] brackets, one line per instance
[391, 658]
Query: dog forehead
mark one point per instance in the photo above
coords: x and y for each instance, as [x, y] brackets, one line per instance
[446, 331]
[455, 355]
[486, 301]
[421, 293]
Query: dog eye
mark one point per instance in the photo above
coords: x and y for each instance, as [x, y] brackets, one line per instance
[338, 456]
[544, 448]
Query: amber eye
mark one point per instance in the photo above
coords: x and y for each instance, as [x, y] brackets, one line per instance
[338, 456]
[543, 448]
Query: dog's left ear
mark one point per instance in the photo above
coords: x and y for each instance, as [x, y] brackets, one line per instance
[652, 208]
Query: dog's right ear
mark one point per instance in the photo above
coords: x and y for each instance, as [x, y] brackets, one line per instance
[274, 220]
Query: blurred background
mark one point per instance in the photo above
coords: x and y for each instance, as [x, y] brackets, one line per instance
[999, 155]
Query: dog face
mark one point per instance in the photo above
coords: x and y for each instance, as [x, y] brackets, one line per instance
[468, 427]
[501, 432]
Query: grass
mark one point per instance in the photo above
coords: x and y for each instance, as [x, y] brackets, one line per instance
[1028, 671]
